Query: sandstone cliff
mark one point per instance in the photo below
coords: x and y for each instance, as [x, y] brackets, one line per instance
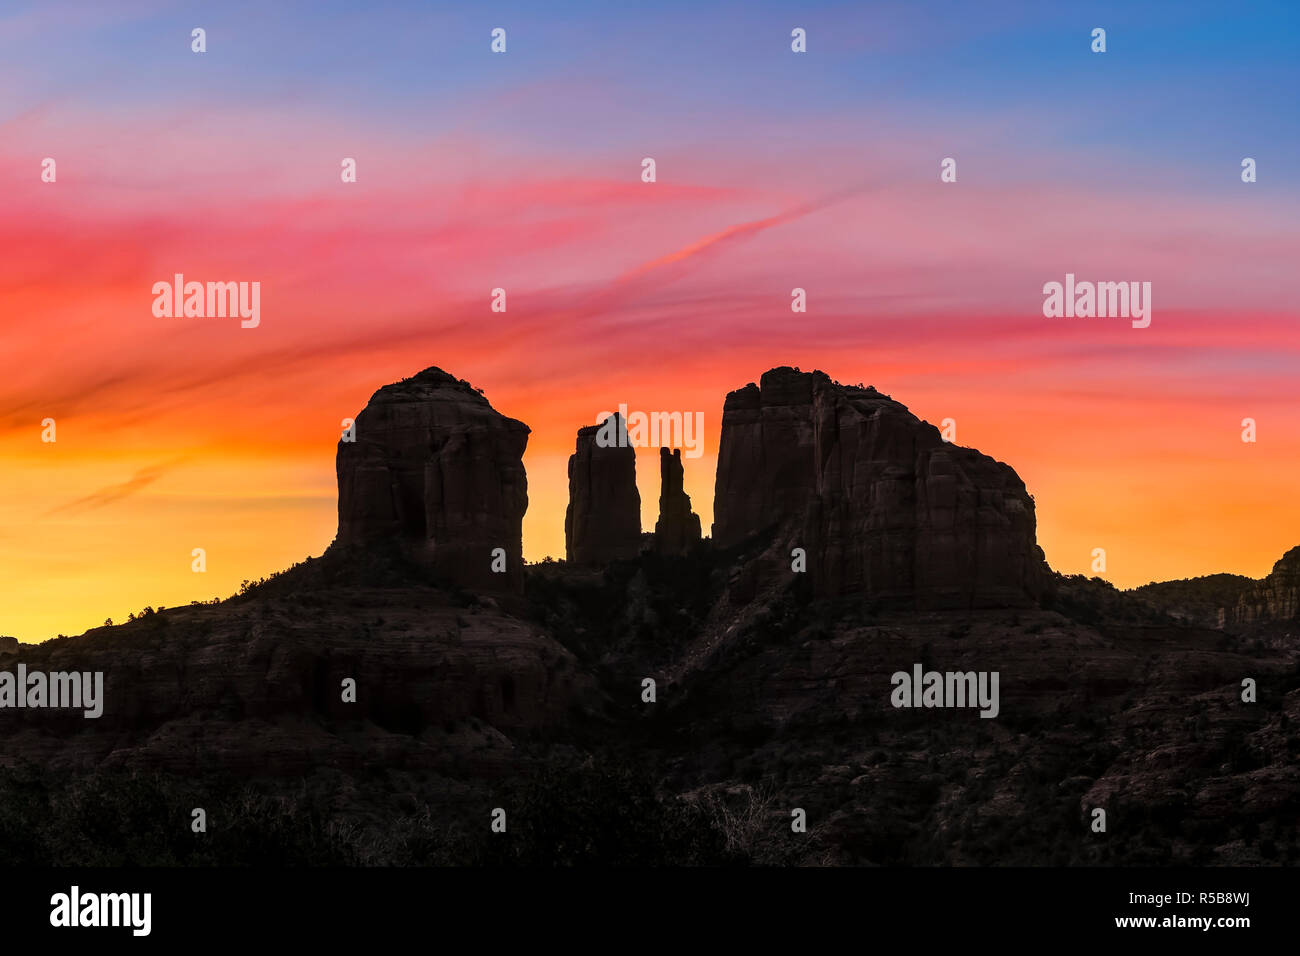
[881, 504]
[1274, 598]
[603, 521]
[435, 468]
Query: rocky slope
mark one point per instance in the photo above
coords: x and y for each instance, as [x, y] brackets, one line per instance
[1145, 722]
[256, 684]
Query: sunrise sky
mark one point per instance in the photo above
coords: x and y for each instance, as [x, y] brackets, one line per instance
[522, 170]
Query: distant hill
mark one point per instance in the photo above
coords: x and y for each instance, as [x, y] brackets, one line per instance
[1195, 600]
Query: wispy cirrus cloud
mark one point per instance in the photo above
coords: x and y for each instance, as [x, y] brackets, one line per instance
[110, 494]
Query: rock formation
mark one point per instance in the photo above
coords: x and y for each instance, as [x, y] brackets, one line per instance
[435, 468]
[459, 697]
[1274, 598]
[678, 527]
[881, 504]
[603, 522]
